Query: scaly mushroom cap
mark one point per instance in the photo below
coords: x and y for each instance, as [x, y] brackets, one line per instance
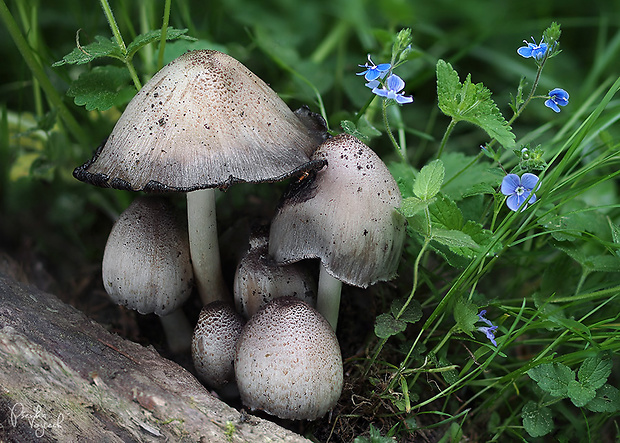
[288, 361]
[213, 343]
[146, 264]
[259, 279]
[345, 215]
[203, 121]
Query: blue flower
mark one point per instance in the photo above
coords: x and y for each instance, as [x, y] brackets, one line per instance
[533, 50]
[391, 90]
[557, 97]
[519, 189]
[373, 71]
[488, 331]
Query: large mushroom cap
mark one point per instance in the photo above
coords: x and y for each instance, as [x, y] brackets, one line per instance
[203, 121]
[345, 215]
[146, 264]
[288, 361]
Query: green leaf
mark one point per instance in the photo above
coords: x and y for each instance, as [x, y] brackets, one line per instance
[594, 371]
[411, 314]
[465, 315]
[607, 399]
[102, 88]
[154, 36]
[446, 213]
[580, 394]
[429, 180]
[536, 421]
[453, 238]
[472, 103]
[482, 237]
[478, 178]
[386, 326]
[553, 378]
[101, 47]
[413, 205]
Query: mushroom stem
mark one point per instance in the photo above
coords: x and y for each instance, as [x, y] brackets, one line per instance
[178, 331]
[328, 297]
[203, 246]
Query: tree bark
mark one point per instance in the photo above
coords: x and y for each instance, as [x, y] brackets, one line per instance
[63, 377]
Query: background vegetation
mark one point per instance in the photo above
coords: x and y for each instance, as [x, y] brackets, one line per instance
[551, 284]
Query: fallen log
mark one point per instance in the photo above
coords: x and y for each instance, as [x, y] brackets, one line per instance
[63, 377]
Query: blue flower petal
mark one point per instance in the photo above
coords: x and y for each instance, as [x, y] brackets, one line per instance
[490, 333]
[529, 181]
[525, 51]
[395, 83]
[514, 202]
[372, 84]
[549, 103]
[510, 184]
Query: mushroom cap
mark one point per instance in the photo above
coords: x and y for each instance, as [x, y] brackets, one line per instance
[203, 121]
[259, 279]
[146, 264]
[288, 361]
[213, 343]
[344, 214]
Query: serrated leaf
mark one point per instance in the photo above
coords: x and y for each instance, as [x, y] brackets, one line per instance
[101, 47]
[429, 180]
[413, 205]
[607, 399]
[386, 326]
[102, 88]
[536, 421]
[553, 378]
[594, 371]
[465, 315]
[453, 238]
[411, 314]
[153, 36]
[580, 394]
[472, 103]
[445, 213]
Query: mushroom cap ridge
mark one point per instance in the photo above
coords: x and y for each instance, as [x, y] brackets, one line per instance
[344, 214]
[203, 121]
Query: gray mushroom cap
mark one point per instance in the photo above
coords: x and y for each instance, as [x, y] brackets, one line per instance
[213, 343]
[259, 279]
[344, 215]
[288, 361]
[146, 264]
[203, 121]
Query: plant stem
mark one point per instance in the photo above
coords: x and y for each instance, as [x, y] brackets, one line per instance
[38, 72]
[386, 122]
[328, 297]
[446, 136]
[119, 41]
[204, 246]
[164, 29]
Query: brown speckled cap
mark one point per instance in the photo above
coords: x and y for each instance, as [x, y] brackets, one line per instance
[344, 215]
[204, 121]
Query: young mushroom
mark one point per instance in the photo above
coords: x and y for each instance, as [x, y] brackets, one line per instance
[345, 215]
[204, 121]
[146, 265]
[214, 341]
[259, 279]
[288, 361]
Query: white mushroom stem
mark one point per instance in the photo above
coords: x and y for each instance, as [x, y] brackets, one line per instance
[328, 297]
[178, 331]
[203, 246]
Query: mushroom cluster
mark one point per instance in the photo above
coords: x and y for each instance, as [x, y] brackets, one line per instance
[204, 122]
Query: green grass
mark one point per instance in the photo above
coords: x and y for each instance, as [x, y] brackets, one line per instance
[549, 277]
